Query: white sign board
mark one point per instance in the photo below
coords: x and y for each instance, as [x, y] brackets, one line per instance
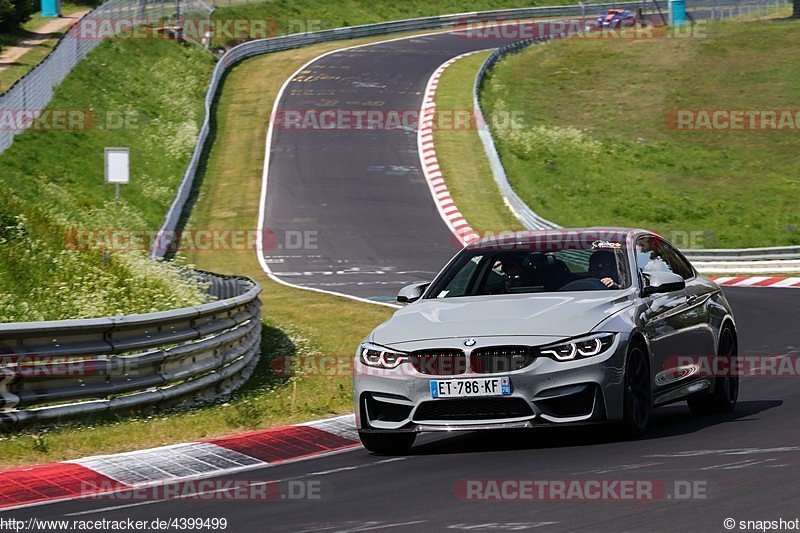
[118, 165]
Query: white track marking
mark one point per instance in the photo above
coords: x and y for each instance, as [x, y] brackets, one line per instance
[168, 463]
[738, 465]
[618, 468]
[788, 282]
[343, 426]
[736, 451]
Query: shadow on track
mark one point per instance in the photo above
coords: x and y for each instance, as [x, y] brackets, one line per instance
[666, 422]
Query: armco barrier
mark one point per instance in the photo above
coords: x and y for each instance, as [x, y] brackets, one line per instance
[784, 259]
[62, 369]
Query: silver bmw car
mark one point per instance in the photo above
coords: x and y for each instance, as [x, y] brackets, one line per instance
[547, 328]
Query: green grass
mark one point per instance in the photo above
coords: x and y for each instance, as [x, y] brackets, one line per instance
[460, 152]
[595, 148]
[37, 53]
[51, 182]
[295, 16]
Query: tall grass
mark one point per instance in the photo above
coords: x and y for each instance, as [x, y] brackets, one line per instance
[146, 95]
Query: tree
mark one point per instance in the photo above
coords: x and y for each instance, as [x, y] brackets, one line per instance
[796, 13]
[15, 13]
[6, 12]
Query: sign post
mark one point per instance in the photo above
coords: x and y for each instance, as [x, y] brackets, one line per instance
[117, 167]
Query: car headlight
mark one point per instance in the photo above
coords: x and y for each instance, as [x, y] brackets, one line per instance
[380, 357]
[587, 346]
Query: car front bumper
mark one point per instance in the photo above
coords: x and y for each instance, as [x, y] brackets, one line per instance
[547, 392]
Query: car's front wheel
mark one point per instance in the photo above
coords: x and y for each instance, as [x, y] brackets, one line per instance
[726, 388]
[637, 398]
[387, 443]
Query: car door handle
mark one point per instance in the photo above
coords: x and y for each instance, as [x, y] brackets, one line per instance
[691, 299]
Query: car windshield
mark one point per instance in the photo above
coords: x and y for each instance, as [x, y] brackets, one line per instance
[599, 266]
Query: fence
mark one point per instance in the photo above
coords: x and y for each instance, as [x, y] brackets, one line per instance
[31, 93]
[62, 369]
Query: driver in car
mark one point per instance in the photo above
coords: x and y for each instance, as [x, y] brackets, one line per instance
[513, 275]
[603, 266]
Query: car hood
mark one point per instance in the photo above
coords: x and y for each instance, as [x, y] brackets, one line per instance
[553, 315]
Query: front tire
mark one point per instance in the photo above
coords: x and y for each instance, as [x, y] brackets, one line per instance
[726, 388]
[387, 443]
[637, 399]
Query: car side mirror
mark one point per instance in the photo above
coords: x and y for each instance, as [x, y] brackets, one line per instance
[658, 282]
[412, 293]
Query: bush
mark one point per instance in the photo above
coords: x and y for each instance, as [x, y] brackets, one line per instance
[15, 13]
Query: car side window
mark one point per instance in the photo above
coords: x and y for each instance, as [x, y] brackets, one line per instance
[679, 265]
[650, 256]
[655, 255]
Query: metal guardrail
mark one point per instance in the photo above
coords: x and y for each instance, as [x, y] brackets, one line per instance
[517, 205]
[782, 259]
[67, 368]
[745, 254]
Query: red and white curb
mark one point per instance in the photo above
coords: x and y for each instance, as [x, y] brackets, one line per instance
[25, 486]
[757, 281]
[447, 208]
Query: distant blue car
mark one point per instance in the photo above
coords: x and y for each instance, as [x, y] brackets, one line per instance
[616, 18]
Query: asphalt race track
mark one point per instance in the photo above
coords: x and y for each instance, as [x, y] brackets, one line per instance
[377, 229]
[359, 193]
[747, 463]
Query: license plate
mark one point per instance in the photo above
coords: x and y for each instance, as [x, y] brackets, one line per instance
[467, 388]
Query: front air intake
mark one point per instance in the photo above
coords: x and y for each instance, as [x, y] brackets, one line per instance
[500, 359]
[445, 362]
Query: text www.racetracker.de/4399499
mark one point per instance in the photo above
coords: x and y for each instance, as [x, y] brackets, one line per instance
[125, 524]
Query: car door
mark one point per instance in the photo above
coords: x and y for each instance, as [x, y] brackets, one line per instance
[674, 322]
[699, 335]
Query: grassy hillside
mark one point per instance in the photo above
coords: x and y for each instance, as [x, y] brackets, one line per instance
[126, 93]
[596, 147]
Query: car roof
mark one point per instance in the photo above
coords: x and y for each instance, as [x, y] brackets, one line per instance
[536, 236]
